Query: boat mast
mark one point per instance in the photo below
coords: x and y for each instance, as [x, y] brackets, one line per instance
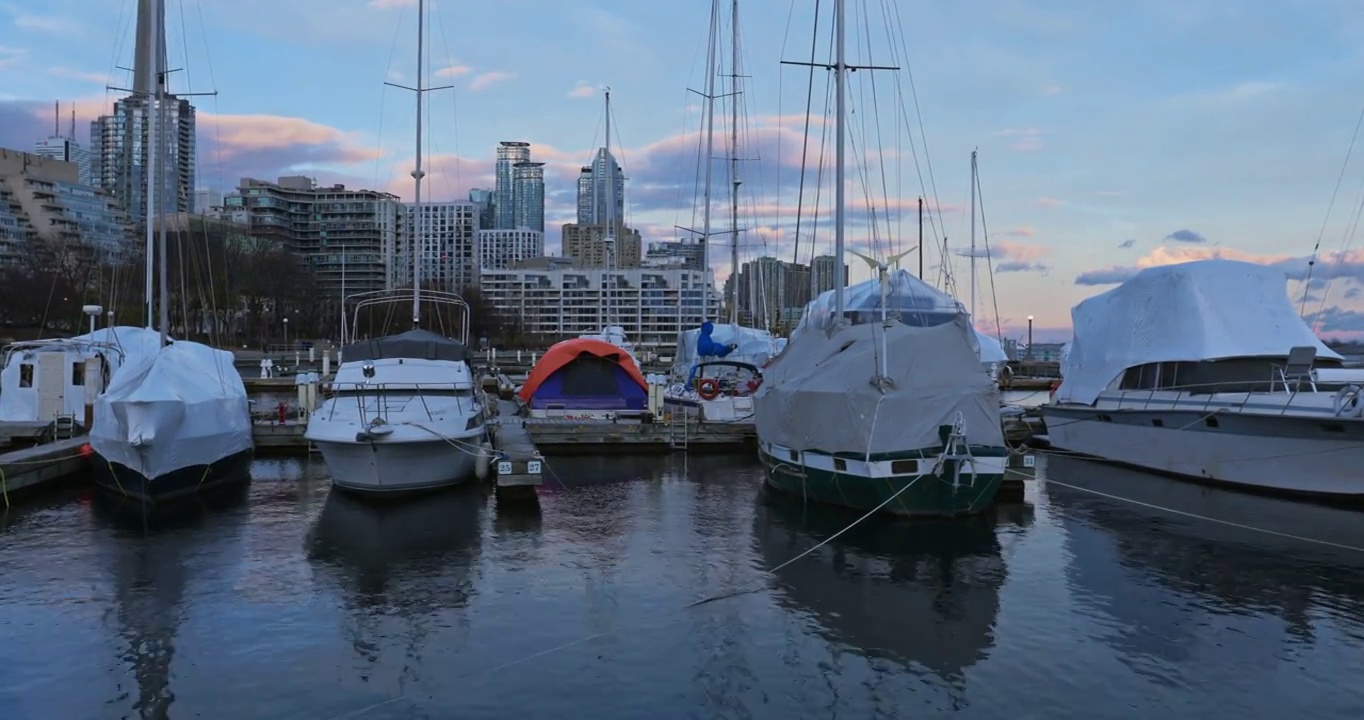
[609, 238]
[734, 164]
[840, 84]
[712, 69]
[417, 175]
[973, 238]
[148, 82]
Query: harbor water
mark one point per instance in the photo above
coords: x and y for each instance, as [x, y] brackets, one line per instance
[284, 600]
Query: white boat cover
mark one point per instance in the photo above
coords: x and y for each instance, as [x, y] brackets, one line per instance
[1203, 310]
[615, 335]
[991, 351]
[917, 302]
[818, 395]
[20, 404]
[181, 407]
[755, 346]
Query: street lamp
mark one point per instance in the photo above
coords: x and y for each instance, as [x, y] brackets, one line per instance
[1029, 355]
[286, 332]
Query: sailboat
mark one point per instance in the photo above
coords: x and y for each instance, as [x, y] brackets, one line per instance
[175, 421]
[875, 412]
[718, 366]
[404, 414]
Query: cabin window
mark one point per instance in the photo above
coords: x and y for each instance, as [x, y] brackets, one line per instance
[904, 467]
[840, 464]
[78, 373]
[1158, 423]
[26, 375]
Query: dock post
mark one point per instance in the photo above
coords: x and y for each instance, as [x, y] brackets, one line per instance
[326, 364]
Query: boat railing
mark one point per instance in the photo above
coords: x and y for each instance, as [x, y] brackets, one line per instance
[385, 394]
[1214, 396]
[59, 343]
[436, 298]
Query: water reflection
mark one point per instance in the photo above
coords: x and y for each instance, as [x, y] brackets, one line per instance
[1178, 588]
[925, 594]
[148, 559]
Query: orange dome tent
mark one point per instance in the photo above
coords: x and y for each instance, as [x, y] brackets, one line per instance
[585, 373]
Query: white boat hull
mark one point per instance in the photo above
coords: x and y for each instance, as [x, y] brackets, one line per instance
[382, 468]
[1291, 455]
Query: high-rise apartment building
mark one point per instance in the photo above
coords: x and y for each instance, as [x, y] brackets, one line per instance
[593, 193]
[119, 143]
[487, 211]
[65, 147]
[826, 274]
[528, 196]
[448, 234]
[349, 237]
[42, 199]
[502, 249]
[682, 253]
[509, 155]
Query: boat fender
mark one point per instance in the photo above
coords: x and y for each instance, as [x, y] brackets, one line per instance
[708, 388]
[1055, 385]
[1347, 402]
[483, 461]
[754, 384]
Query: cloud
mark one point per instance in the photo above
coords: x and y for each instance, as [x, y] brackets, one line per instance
[1050, 90]
[453, 71]
[1050, 202]
[1186, 236]
[1129, 242]
[488, 79]
[1023, 232]
[10, 57]
[1023, 139]
[390, 4]
[54, 24]
[1011, 256]
[582, 90]
[1352, 293]
[1329, 266]
[96, 78]
[1336, 319]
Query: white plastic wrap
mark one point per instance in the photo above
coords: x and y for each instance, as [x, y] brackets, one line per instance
[118, 345]
[917, 303]
[991, 351]
[1204, 310]
[184, 406]
[755, 346]
[819, 396]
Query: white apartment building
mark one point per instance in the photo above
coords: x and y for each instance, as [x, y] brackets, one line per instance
[498, 249]
[652, 305]
[449, 233]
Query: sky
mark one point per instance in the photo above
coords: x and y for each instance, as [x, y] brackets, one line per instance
[1110, 136]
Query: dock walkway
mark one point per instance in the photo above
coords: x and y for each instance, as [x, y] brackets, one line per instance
[518, 467]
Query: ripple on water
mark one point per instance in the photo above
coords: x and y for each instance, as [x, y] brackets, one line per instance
[285, 600]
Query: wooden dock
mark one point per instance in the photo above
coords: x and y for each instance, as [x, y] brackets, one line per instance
[518, 468]
[564, 436]
[33, 467]
[274, 438]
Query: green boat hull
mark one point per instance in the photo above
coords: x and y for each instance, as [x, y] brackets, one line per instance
[929, 496]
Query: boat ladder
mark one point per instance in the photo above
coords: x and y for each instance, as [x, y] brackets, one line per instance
[677, 430]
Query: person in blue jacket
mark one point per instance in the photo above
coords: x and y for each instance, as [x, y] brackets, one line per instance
[707, 347]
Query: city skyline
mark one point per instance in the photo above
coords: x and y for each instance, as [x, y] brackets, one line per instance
[1091, 164]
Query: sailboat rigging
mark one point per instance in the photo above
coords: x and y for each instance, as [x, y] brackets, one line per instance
[874, 410]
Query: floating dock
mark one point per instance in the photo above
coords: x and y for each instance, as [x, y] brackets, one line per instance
[518, 468]
[672, 432]
[276, 438]
[32, 467]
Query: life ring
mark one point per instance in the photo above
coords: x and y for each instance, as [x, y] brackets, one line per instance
[708, 388]
[754, 384]
[1055, 385]
[1347, 402]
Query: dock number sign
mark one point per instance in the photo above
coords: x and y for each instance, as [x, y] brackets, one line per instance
[533, 467]
[504, 467]
[1029, 461]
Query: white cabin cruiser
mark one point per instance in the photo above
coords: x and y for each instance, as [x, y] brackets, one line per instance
[404, 416]
[1204, 370]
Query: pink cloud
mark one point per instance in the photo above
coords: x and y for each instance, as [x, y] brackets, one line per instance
[488, 79]
[582, 90]
[454, 71]
[1050, 202]
[236, 134]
